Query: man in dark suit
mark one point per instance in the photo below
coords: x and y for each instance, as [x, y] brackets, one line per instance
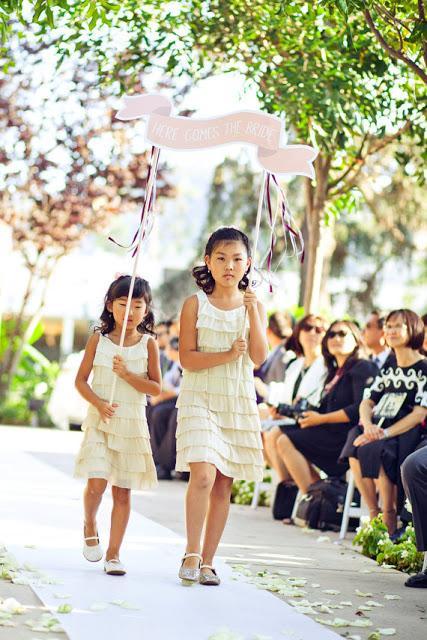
[414, 476]
[373, 337]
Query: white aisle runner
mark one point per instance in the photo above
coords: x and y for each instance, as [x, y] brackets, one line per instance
[41, 506]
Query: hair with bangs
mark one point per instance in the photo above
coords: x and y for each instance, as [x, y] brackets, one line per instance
[413, 323]
[120, 289]
[202, 275]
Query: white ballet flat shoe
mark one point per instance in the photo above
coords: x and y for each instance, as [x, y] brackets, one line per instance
[114, 567]
[92, 553]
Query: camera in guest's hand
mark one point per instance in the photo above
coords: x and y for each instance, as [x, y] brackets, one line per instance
[295, 410]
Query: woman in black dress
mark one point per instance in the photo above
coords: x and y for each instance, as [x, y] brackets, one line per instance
[320, 435]
[391, 414]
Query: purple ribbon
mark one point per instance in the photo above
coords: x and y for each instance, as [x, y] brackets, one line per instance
[294, 235]
[145, 212]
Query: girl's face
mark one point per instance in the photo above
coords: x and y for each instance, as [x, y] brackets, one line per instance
[228, 263]
[138, 309]
[341, 341]
[396, 332]
[311, 334]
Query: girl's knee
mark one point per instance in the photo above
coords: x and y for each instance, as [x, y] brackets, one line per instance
[121, 495]
[96, 486]
[202, 479]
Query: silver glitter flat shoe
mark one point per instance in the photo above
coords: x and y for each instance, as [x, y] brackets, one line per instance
[209, 579]
[189, 576]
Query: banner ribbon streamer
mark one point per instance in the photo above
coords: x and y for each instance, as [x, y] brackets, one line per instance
[252, 127]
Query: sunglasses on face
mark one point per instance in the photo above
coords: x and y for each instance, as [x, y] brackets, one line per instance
[337, 334]
[310, 327]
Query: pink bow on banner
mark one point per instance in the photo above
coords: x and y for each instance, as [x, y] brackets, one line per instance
[253, 127]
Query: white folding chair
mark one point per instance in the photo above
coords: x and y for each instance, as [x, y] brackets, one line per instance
[349, 510]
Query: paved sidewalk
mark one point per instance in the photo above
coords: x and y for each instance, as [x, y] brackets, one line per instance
[252, 539]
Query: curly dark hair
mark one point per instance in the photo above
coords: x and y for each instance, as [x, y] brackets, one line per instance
[120, 289]
[202, 275]
[357, 353]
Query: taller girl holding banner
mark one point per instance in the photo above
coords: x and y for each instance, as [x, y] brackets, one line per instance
[218, 435]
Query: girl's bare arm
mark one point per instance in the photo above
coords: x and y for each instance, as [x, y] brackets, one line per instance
[150, 383]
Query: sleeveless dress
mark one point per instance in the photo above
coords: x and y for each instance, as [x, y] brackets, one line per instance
[118, 451]
[216, 424]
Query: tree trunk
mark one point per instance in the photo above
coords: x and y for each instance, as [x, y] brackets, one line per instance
[315, 204]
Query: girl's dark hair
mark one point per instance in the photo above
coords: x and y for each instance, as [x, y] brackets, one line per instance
[120, 289]
[202, 275]
[293, 343]
[357, 353]
[414, 324]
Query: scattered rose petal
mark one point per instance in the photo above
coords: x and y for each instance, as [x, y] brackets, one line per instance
[390, 596]
[372, 603]
[346, 603]
[331, 592]
[64, 608]
[341, 622]
[325, 609]
[361, 594]
[10, 605]
[315, 585]
[387, 632]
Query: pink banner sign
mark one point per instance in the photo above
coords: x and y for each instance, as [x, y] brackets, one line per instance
[251, 127]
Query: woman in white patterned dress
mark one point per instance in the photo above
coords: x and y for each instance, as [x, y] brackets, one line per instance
[116, 443]
[218, 434]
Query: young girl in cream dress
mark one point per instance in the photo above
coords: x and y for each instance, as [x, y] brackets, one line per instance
[116, 444]
[218, 434]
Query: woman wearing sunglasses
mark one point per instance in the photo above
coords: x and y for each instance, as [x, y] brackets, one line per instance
[304, 378]
[319, 437]
[391, 416]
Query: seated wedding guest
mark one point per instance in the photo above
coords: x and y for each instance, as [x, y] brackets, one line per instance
[414, 477]
[374, 340]
[174, 326]
[279, 329]
[162, 333]
[161, 416]
[320, 435]
[391, 414]
[304, 378]
[424, 347]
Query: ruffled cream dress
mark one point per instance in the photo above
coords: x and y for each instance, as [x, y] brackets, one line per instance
[118, 451]
[216, 424]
